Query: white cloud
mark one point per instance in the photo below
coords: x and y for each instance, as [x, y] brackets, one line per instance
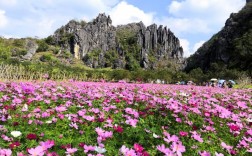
[194, 19]
[201, 8]
[198, 45]
[199, 16]
[124, 13]
[42, 17]
[8, 2]
[184, 25]
[45, 26]
[186, 46]
[3, 19]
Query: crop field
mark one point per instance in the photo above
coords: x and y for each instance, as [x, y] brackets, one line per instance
[86, 118]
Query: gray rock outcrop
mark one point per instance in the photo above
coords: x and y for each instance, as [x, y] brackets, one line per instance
[99, 36]
[31, 47]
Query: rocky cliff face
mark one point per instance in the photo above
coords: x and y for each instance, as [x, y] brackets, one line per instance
[231, 47]
[160, 40]
[93, 41]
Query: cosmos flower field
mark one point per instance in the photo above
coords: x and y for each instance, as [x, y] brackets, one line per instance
[87, 118]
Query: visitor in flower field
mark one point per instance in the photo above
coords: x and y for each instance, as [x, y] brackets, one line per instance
[224, 85]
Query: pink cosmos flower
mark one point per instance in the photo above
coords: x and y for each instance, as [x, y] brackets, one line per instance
[88, 148]
[242, 104]
[165, 150]
[47, 144]
[89, 118]
[6, 138]
[131, 152]
[71, 151]
[196, 136]
[124, 149]
[38, 151]
[178, 120]
[131, 122]
[5, 152]
[170, 138]
[178, 148]
[227, 147]
[218, 154]
[60, 108]
[74, 125]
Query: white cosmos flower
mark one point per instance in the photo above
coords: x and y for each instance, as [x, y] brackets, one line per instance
[25, 108]
[16, 133]
[155, 135]
[49, 121]
[100, 150]
[183, 94]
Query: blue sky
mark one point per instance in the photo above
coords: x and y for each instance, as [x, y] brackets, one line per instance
[193, 21]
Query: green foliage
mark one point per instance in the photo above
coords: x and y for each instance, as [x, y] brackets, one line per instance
[131, 63]
[54, 49]
[243, 50]
[120, 74]
[48, 57]
[66, 54]
[19, 43]
[5, 51]
[42, 46]
[18, 52]
[197, 75]
[49, 40]
[110, 57]
[127, 40]
[93, 55]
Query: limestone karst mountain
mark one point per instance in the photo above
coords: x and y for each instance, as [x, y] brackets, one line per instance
[100, 44]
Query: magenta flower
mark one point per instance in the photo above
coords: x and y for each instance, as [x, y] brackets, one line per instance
[14, 144]
[182, 133]
[138, 147]
[118, 129]
[31, 136]
[234, 127]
